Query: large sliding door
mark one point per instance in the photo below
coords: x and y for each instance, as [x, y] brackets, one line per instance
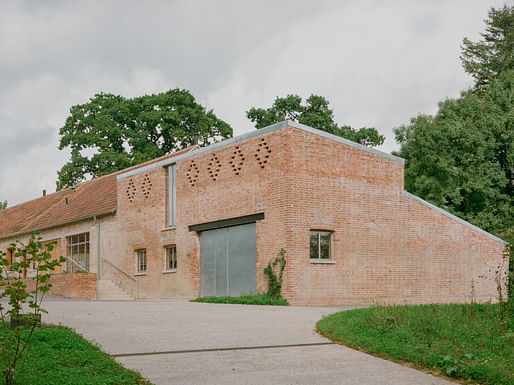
[228, 261]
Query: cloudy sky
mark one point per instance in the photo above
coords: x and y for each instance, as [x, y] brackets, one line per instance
[379, 63]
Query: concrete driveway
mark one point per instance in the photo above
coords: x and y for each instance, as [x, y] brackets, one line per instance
[179, 342]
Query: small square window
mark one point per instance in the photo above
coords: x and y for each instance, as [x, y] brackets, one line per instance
[171, 257]
[141, 261]
[320, 245]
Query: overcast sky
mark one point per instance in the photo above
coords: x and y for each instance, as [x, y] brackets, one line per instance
[379, 63]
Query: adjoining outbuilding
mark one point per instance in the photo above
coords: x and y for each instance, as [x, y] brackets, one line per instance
[206, 221]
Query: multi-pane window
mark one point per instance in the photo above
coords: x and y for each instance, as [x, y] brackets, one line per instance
[77, 247]
[172, 201]
[320, 245]
[141, 261]
[171, 257]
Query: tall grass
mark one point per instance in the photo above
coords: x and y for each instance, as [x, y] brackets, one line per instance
[461, 341]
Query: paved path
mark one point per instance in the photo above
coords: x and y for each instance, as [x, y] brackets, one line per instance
[179, 342]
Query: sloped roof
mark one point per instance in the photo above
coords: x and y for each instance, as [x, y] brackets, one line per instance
[95, 197]
[85, 200]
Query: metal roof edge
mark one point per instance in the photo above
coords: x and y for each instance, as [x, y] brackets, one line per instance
[454, 217]
[253, 134]
[348, 142]
[202, 150]
[107, 212]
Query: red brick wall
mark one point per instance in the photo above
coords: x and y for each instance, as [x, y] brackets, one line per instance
[387, 248]
[76, 285]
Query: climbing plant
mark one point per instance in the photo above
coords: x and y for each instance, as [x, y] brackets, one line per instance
[274, 280]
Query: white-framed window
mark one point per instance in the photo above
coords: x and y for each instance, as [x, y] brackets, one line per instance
[141, 260]
[320, 245]
[172, 199]
[77, 251]
[170, 260]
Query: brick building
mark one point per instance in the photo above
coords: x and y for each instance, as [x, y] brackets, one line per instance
[206, 221]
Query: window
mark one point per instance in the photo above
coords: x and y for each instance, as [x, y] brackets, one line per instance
[171, 258]
[321, 245]
[77, 253]
[172, 202]
[141, 261]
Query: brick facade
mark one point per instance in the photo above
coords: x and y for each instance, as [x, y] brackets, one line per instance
[76, 285]
[387, 246]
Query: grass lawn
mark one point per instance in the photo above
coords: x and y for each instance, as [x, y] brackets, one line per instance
[466, 342]
[259, 299]
[61, 356]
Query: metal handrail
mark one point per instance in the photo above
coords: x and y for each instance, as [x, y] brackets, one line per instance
[124, 272]
[79, 266]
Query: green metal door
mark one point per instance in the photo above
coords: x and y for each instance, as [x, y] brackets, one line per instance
[228, 261]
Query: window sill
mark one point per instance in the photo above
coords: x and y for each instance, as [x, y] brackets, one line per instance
[169, 271]
[169, 228]
[139, 274]
[323, 261]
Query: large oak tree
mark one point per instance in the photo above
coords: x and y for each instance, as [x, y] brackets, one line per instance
[111, 132]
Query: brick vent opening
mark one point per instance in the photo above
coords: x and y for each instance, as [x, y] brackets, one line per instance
[146, 186]
[192, 173]
[237, 160]
[262, 152]
[214, 167]
[131, 190]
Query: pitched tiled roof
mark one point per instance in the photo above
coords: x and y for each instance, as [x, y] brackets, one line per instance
[85, 200]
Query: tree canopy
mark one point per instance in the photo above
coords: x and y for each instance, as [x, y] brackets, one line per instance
[3, 205]
[463, 157]
[315, 113]
[486, 59]
[111, 132]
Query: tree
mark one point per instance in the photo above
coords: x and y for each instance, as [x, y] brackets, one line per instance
[3, 205]
[16, 336]
[486, 59]
[314, 113]
[463, 157]
[110, 132]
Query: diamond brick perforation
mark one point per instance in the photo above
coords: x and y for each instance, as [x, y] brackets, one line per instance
[262, 153]
[214, 167]
[192, 173]
[237, 160]
[146, 186]
[131, 191]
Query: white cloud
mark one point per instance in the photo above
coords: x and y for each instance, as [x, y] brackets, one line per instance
[378, 63]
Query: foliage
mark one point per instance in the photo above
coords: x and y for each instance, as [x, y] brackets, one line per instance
[462, 159]
[111, 132]
[274, 281]
[314, 113]
[486, 59]
[3, 205]
[463, 341]
[507, 281]
[59, 356]
[15, 343]
[258, 299]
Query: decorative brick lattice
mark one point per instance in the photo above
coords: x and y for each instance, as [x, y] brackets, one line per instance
[146, 186]
[214, 167]
[192, 173]
[237, 160]
[131, 190]
[262, 152]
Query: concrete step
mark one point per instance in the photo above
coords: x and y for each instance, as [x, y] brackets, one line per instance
[107, 290]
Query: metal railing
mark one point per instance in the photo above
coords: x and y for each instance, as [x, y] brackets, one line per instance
[119, 269]
[81, 268]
